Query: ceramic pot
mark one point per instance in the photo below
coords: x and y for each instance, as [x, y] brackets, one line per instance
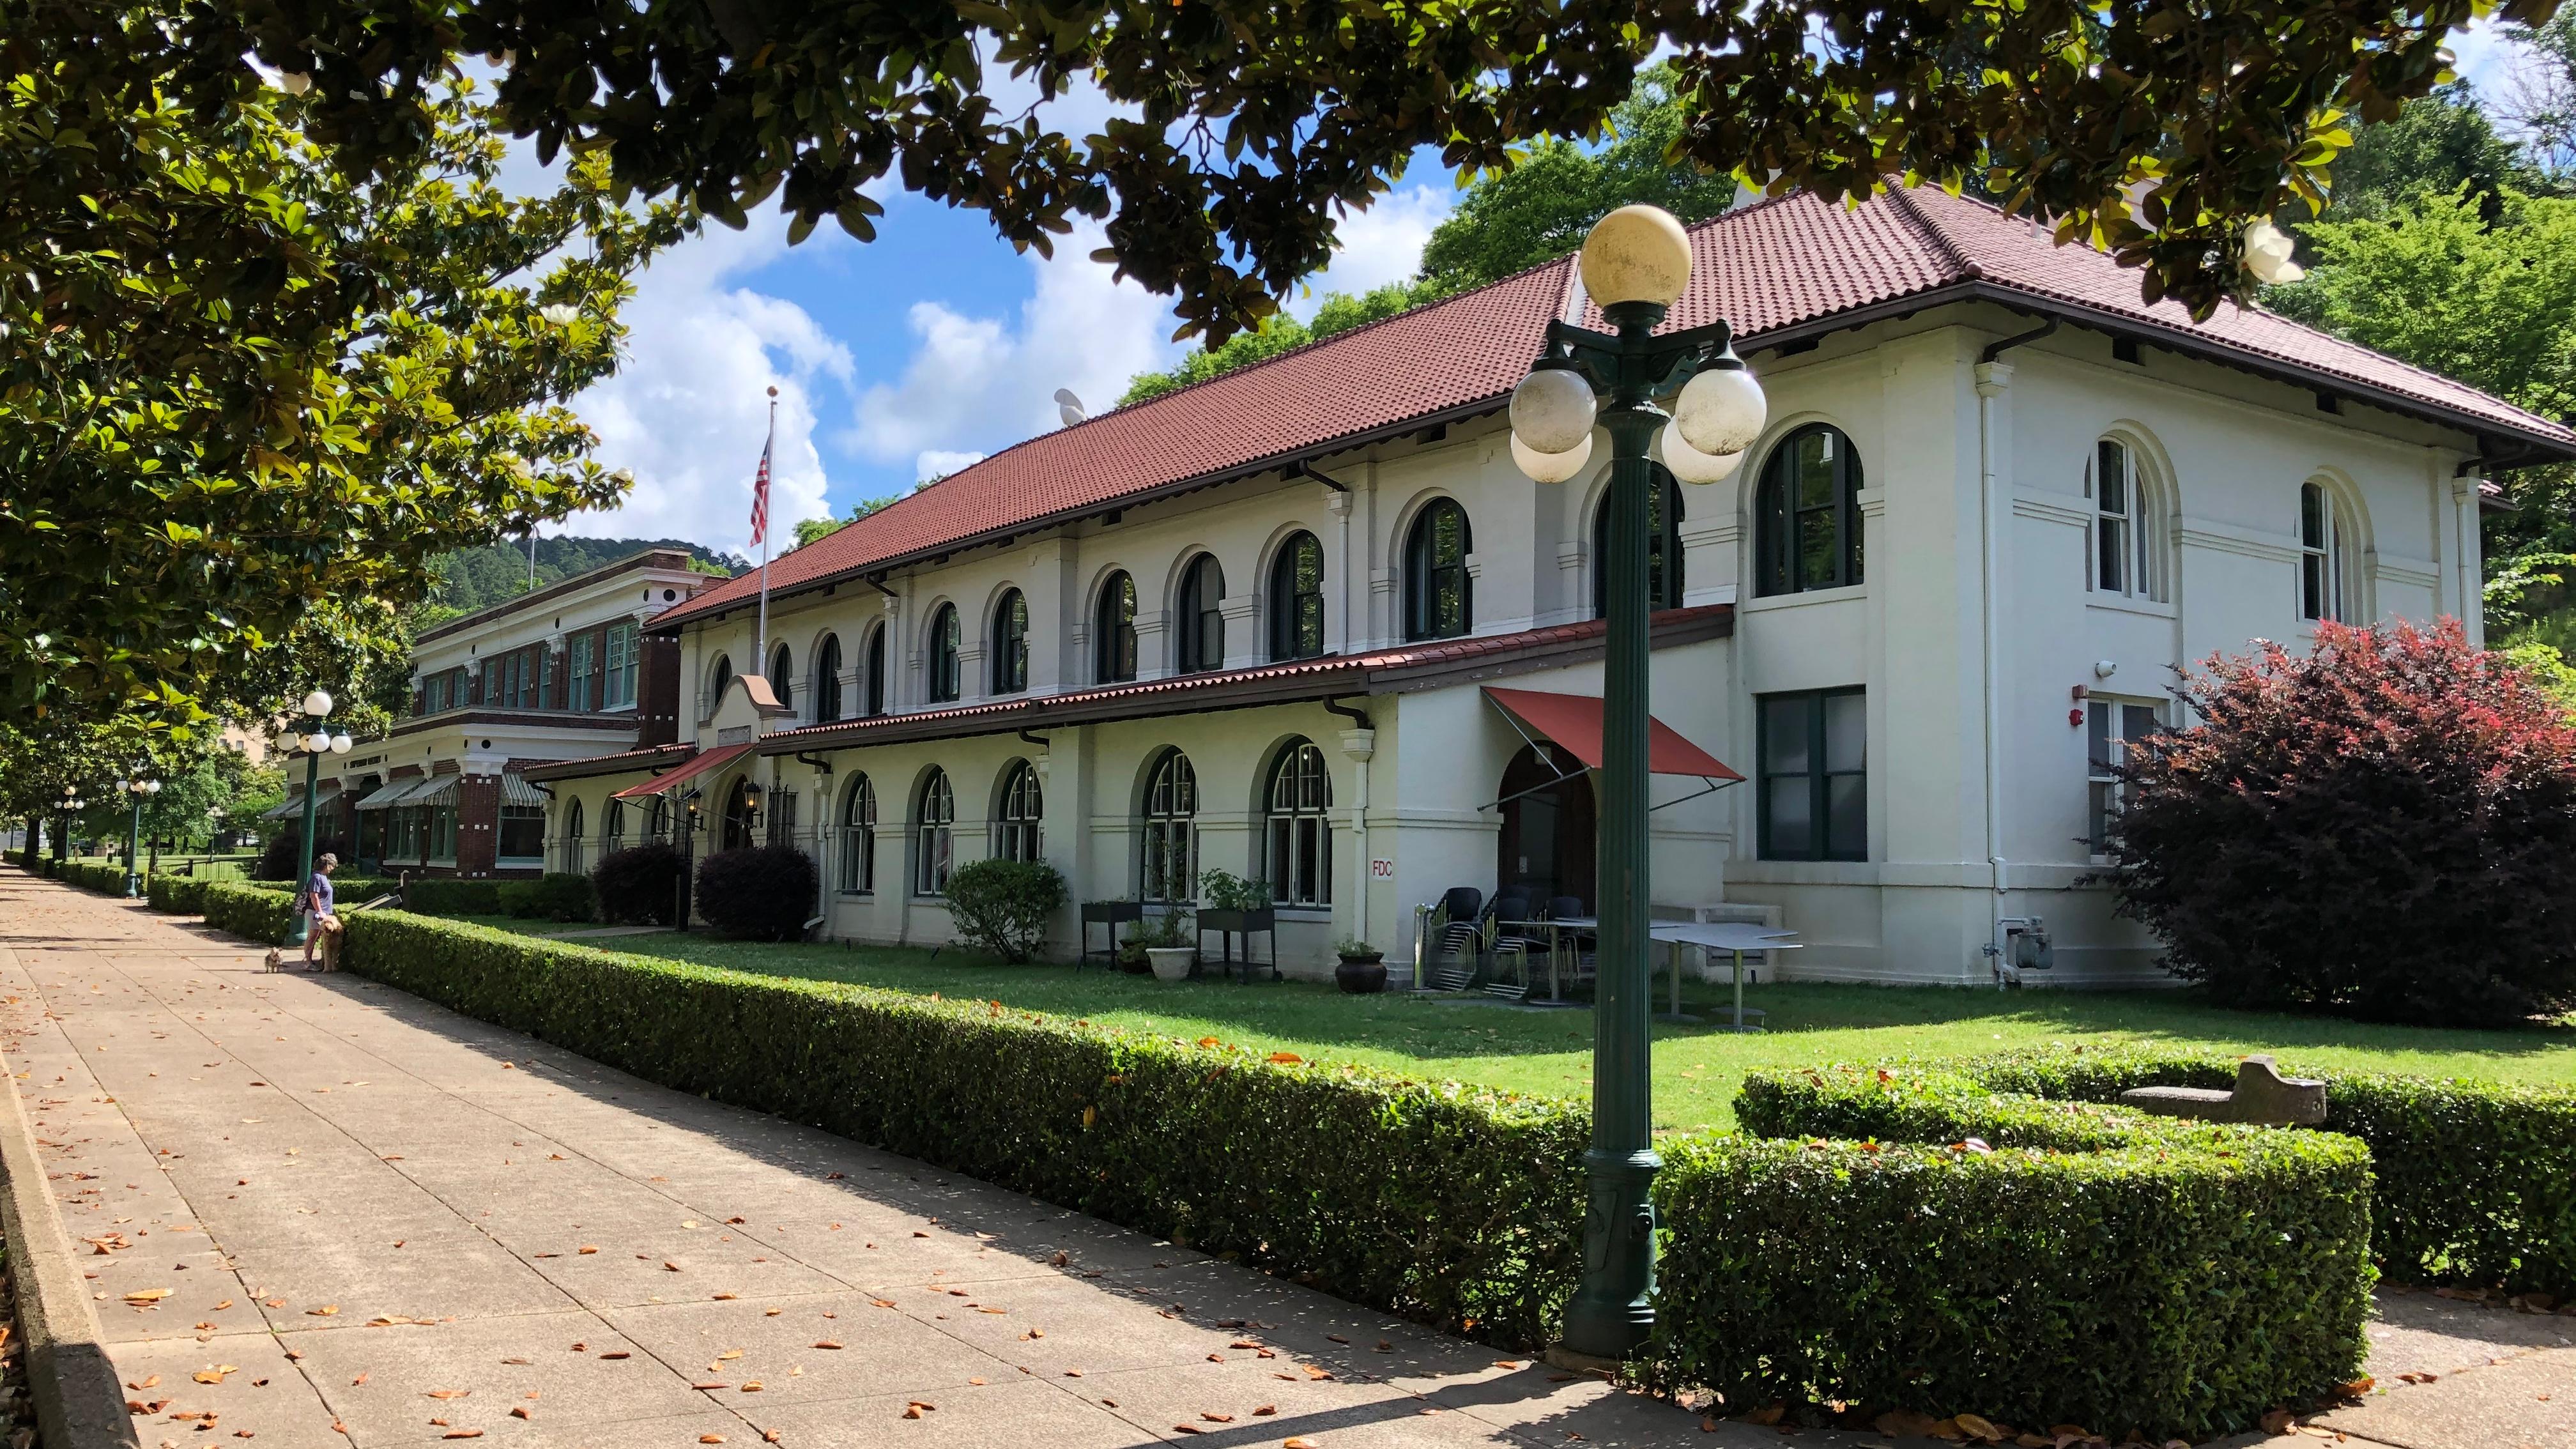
[1360, 976]
[1172, 963]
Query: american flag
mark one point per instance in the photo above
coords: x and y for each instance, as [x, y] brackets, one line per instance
[760, 491]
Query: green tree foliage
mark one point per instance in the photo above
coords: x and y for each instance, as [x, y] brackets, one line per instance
[810, 529]
[1339, 312]
[2435, 146]
[477, 578]
[241, 381]
[1540, 209]
[1239, 128]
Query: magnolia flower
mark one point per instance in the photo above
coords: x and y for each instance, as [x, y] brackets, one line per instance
[2267, 254]
[294, 82]
[562, 314]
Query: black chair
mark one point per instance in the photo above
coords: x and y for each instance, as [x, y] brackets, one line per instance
[1559, 907]
[1505, 938]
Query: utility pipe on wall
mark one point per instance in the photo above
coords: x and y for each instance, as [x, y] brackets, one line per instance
[1993, 377]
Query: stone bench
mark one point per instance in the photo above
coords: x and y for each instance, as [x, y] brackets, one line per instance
[2262, 1096]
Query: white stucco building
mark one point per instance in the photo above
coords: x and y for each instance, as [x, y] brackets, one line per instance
[1250, 625]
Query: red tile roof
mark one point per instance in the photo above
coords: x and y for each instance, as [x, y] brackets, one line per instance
[1790, 264]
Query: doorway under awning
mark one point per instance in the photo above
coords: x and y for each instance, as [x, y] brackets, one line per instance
[1573, 722]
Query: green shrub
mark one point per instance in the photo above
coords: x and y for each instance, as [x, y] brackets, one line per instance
[440, 896]
[552, 897]
[2476, 1181]
[261, 915]
[1454, 1206]
[758, 892]
[639, 885]
[107, 877]
[2116, 1270]
[179, 895]
[1003, 906]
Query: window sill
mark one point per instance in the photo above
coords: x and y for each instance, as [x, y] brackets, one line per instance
[2126, 604]
[856, 895]
[1804, 598]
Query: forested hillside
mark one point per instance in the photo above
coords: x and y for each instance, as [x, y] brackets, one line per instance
[477, 578]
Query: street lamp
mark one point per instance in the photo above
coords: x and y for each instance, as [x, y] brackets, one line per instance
[138, 790]
[314, 740]
[1635, 265]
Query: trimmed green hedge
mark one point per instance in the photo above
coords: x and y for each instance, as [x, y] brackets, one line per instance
[1451, 1205]
[554, 896]
[438, 896]
[105, 877]
[179, 895]
[2476, 1180]
[2093, 1264]
[261, 915]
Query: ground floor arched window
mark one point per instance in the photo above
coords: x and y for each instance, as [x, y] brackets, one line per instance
[734, 828]
[934, 836]
[1019, 830]
[859, 837]
[1300, 835]
[1171, 843]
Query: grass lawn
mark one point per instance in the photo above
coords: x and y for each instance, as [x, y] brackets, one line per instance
[1696, 1067]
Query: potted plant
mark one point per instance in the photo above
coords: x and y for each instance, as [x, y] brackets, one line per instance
[1163, 944]
[1362, 969]
[1232, 905]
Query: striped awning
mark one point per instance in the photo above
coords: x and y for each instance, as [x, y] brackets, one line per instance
[384, 795]
[516, 790]
[433, 790]
[293, 805]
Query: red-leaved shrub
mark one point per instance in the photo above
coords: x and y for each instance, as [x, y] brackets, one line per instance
[2386, 827]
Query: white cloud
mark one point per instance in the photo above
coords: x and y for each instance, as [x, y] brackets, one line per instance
[939, 463]
[688, 410]
[1380, 245]
[975, 384]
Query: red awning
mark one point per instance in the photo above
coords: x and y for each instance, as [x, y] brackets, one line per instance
[682, 774]
[1574, 721]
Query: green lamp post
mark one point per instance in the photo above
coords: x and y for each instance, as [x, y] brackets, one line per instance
[1635, 265]
[137, 790]
[73, 804]
[315, 742]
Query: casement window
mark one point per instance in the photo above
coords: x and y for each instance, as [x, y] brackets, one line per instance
[2325, 555]
[1171, 837]
[782, 677]
[442, 833]
[2128, 555]
[1297, 599]
[934, 836]
[617, 684]
[523, 833]
[1019, 830]
[1201, 646]
[859, 838]
[1011, 643]
[569, 860]
[827, 680]
[612, 825]
[719, 679]
[1113, 643]
[2112, 728]
[1806, 522]
[875, 696]
[1663, 545]
[1814, 754]
[778, 812]
[946, 676]
[1439, 594]
[583, 666]
[1300, 837]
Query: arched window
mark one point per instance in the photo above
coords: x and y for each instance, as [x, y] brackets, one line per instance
[717, 679]
[874, 698]
[1663, 545]
[859, 837]
[612, 825]
[741, 813]
[572, 863]
[1806, 524]
[782, 676]
[2128, 524]
[1301, 834]
[1018, 831]
[1297, 599]
[827, 680]
[1439, 600]
[1202, 624]
[934, 836]
[1171, 837]
[1011, 643]
[2326, 534]
[657, 818]
[1114, 631]
[945, 682]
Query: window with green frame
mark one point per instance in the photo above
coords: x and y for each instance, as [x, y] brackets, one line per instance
[1814, 752]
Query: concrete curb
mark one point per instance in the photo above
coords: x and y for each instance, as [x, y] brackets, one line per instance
[79, 1403]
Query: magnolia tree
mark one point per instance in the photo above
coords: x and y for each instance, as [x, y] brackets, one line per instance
[2385, 827]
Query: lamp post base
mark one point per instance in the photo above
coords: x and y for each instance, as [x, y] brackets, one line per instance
[1576, 1361]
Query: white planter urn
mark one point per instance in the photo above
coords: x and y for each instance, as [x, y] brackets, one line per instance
[1172, 963]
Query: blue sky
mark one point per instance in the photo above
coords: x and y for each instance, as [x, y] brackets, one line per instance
[916, 353]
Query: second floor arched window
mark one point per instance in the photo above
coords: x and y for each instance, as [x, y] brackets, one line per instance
[1806, 516]
[827, 680]
[1663, 545]
[946, 681]
[1297, 599]
[1019, 830]
[2326, 532]
[1011, 643]
[782, 676]
[1113, 641]
[1201, 646]
[1439, 602]
[717, 679]
[872, 698]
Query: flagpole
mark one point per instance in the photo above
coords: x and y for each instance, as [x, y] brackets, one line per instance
[760, 644]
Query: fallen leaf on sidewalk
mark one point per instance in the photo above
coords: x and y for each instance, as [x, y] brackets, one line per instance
[325, 1311]
[147, 1295]
[360, 1379]
[825, 1343]
[448, 1393]
[520, 1411]
[617, 1353]
[214, 1375]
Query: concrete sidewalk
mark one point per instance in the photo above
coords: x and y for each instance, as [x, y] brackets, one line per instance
[319, 1211]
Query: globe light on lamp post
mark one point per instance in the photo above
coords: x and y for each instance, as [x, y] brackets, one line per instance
[314, 739]
[137, 790]
[1635, 266]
